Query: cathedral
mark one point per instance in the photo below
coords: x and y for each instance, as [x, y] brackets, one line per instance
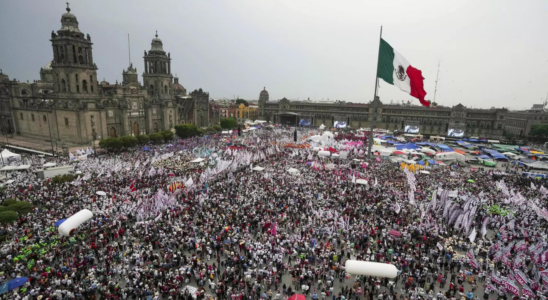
[71, 106]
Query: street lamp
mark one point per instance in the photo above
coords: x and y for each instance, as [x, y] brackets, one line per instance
[94, 135]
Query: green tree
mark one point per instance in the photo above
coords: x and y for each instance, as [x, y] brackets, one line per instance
[186, 130]
[218, 127]
[9, 202]
[210, 130]
[200, 131]
[228, 123]
[21, 207]
[111, 144]
[242, 101]
[8, 217]
[143, 139]
[129, 141]
[167, 134]
[156, 138]
[539, 130]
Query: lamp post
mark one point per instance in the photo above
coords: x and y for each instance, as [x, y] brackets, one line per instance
[94, 135]
[49, 126]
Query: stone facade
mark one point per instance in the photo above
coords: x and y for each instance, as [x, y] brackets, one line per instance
[436, 120]
[70, 105]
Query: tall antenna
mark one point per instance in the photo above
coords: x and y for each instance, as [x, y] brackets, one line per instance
[128, 49]
[437, 78]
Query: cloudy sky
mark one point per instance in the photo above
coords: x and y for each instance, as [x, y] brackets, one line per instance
[492, 52]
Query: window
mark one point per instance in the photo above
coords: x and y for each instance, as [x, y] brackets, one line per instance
[66, 122]
[77, 85]
[32, 117]
[21, 116]
[91, 82]
[44, 118]
[63, 85]
[85, 86]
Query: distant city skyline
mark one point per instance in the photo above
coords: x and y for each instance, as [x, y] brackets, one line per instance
[492, 53]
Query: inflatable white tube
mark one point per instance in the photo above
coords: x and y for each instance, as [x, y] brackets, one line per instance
[316, 149]
[368, 268]
[70, 225]
[324, 153]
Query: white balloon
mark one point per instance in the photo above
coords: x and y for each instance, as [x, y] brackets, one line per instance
[74, 221]
[368, 268]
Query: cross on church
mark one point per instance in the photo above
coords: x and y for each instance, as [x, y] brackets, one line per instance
[156, 33]
[68, 8]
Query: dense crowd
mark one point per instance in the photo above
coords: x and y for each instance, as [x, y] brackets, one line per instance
[234, 232]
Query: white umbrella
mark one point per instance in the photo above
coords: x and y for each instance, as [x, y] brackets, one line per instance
[424, 172]
[361, 181]
[293, 171]
[257, 168]
[197, 160]
[101, 193]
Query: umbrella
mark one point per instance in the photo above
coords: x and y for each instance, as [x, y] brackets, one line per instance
[101, 193]
[58, 223]
[398, 153]
[12, 284]
[297, 296]
[361, 181]
[470, 180]
[395, 233]
[227, 242]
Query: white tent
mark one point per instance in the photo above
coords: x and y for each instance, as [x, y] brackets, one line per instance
[197, 160]
[7, 155]
[50, 164]
[15, 168]
[257, 168]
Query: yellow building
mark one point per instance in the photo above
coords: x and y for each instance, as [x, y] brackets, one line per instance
[247, 112]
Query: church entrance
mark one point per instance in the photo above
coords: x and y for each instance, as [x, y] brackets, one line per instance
[112, 132]
[135, 129]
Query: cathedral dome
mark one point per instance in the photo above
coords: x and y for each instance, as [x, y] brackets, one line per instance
[47, 67]
[264, 92]
[69, 21]
[157, 44]
[178, 88]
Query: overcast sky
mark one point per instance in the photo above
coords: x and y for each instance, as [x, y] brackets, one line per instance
[492, 52]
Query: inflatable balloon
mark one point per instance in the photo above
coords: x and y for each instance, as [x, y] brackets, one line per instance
[324, 153]
[69, 226]
[368, 268]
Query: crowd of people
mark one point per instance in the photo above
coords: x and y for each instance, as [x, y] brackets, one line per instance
[240, 226]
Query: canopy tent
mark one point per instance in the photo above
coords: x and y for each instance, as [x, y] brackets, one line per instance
[257, 168]
[407, 146]
[444, 148]
[7, 156]
[50, 164]
[15, 168]
[484, 156]
[496, 155]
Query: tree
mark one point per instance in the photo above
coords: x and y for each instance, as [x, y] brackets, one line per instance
[143, 139]
[156, 138]
[539, 130]
[200, 131]
[21, 207]
[242, 101]
[186, 130]
[111, 144]
[129, 141]
[228, 123]
[167, 134]
[434, 103]
[218, 128]
[8, 217]
[9, 202]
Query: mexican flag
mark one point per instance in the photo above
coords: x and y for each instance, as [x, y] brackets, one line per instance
[396, 70]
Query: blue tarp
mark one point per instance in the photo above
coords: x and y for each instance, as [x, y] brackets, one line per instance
[432, 162]
[426, 144]
[484, 156]
[391, 142]
[495, 154]
[422, 163]
[473, 140]
[58, 223]
[406, 146]
[461, 142]
[444, 148]
[12, 284]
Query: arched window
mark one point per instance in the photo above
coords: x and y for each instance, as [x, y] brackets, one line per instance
[151, 90]
[85, 86]
[91, 82]
[165, 89]
[63, 85]
[77, 85]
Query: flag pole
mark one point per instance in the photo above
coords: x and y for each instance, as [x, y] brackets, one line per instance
[374, 115]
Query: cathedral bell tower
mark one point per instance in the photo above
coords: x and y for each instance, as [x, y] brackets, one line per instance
[157, 77]
[72, 67]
